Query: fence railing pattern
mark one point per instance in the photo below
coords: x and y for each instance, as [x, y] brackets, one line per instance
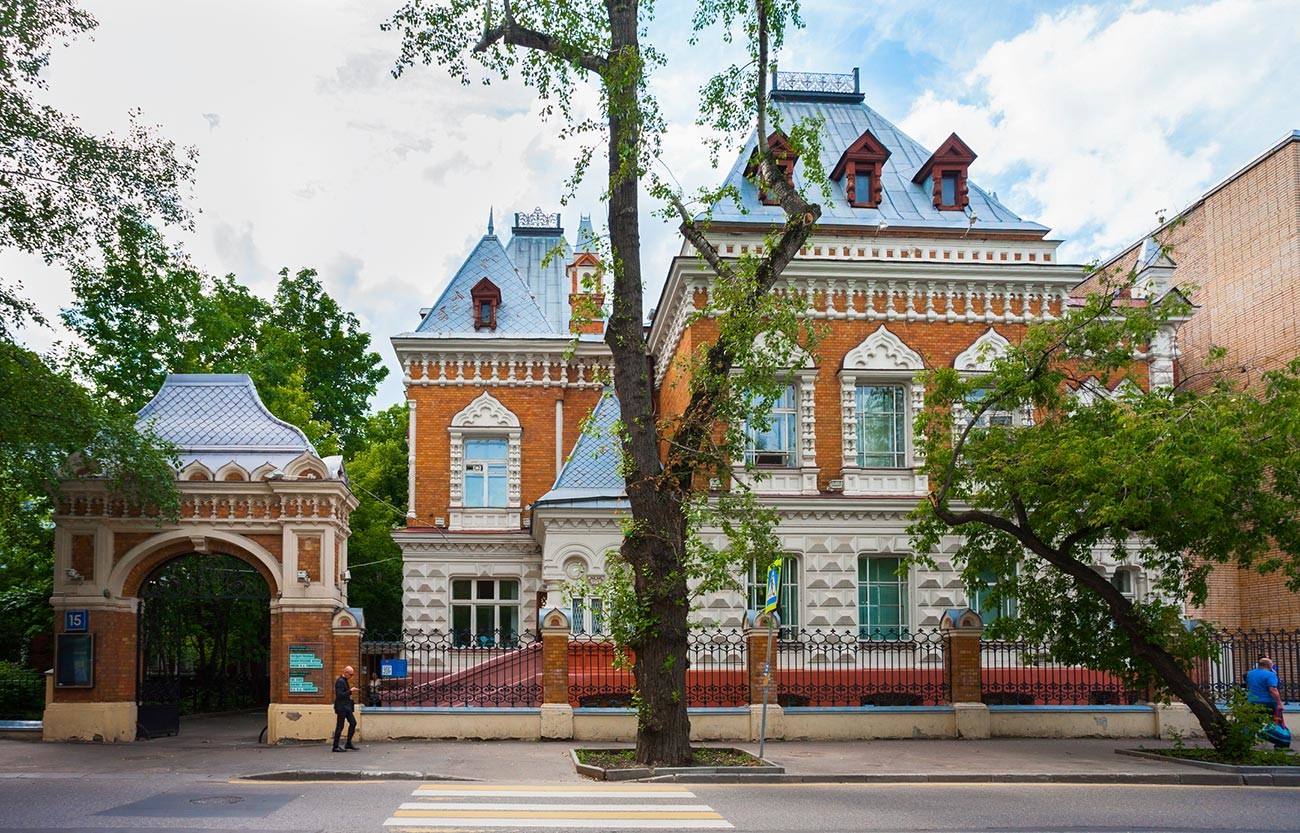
[22, 692]
[501, 669]
[860, 668]
[1024, 674]
[716, 671]
[1237, 651]
[820, 667]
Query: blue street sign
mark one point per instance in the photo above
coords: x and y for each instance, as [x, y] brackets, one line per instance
[392, 668]
[76, 621]
[773, 586]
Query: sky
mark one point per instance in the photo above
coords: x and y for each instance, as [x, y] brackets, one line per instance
[1091, 118]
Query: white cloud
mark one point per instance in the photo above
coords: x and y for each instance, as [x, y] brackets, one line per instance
[1092, 123]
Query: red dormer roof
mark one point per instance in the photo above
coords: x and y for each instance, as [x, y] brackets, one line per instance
[953, 152]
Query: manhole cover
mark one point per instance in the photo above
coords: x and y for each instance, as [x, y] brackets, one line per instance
[217, 799]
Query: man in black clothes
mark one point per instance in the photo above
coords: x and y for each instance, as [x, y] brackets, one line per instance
[344, 708]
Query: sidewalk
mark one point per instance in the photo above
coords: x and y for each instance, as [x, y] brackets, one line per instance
[223, 748]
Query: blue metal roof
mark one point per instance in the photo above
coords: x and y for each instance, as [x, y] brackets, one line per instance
[518, 315]
[540, 252]
[903, 202]
[218, 411]
[590, 476]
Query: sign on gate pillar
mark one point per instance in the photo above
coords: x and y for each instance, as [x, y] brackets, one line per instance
[306, 668]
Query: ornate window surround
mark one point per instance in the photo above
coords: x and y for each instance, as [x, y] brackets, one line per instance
[485, 418]
[977, 359]
[801, 479]
[882, 357]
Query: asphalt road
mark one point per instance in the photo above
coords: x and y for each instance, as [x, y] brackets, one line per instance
[155, 802]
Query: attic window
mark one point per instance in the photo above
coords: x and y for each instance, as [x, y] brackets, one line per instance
[486, 297]
[785, 158]
[859, 169]
[945, 172]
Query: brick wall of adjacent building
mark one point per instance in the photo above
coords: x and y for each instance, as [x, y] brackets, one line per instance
[1238, 252]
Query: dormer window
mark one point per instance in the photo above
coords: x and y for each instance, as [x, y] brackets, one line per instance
[486, 297]
[859, 169]
[945, 172]
[785, 159]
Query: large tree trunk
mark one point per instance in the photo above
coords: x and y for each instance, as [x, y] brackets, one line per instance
[655, 543]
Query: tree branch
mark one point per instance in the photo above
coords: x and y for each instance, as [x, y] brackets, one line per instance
[512, 34]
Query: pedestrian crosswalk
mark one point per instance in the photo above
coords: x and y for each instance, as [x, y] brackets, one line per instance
[609, 807]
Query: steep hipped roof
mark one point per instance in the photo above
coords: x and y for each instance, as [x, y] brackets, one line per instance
[903, 202]
[590, 476]
[518, 314]
[218, 418]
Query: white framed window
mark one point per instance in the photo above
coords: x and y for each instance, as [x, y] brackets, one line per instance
[787, 600]
[484, 612]
[587, 615]
[981, 603]
[882, 421]
[994, 417]
[775, 441]
[486, 443]
[879, 400]
[978, 359]
[485, 472]
[883, 598]
[1124, 579]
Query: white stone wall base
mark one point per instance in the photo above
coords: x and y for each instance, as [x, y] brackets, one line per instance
[557, 721]
[286, 721]
[98, 722]
[972, 720]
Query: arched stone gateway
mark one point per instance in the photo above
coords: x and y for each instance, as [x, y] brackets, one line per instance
[277, 507]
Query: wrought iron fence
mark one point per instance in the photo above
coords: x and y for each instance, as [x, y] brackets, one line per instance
[817, 82]
[22, 692]
[1024, 674]
[1237, 651]
[860, 668]
[716, 671]
[501, 669]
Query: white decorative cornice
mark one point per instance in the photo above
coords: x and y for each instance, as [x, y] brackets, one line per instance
[882, 350]
[979, 356]
[947, 291]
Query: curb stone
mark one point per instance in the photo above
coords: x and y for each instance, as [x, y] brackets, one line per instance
[349, 775]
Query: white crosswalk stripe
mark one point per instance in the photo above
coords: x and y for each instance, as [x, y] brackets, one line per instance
[655, 806]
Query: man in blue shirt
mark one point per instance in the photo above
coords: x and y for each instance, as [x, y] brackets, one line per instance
[1261, 685]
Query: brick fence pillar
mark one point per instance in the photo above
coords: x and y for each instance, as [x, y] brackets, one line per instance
[758, 641]
[556, 712]
[962, 630]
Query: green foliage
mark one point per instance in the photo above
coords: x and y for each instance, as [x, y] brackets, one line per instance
[22, 692]
[62, 188]
[148, 312]
[1171, 480]
[378, 475]
[1245, 721]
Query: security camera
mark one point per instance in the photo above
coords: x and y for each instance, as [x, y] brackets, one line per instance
[73, 575]
[347, 575]
[303, 577]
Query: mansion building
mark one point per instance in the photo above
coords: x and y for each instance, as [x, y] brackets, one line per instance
[514, 480]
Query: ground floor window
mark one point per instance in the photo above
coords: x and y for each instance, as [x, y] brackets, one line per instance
[882, 597]
[484, 612]
[587, 615]
[787, 605]
[982, 603]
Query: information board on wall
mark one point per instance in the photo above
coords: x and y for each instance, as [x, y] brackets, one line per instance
[74, 665]
[306, 668]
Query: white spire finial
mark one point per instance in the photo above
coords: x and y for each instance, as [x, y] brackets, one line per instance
[491, 232]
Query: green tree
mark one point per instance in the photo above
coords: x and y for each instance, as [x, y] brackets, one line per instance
[1168, 479]
[378, 474]
[554, 45]
[62, 189]
[147, 311]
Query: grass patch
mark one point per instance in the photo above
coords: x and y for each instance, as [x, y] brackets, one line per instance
[1257, 757]
[624, 758]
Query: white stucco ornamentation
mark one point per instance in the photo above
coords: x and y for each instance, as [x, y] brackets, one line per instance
[882, 350]
[980, 355]
[485, 412]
